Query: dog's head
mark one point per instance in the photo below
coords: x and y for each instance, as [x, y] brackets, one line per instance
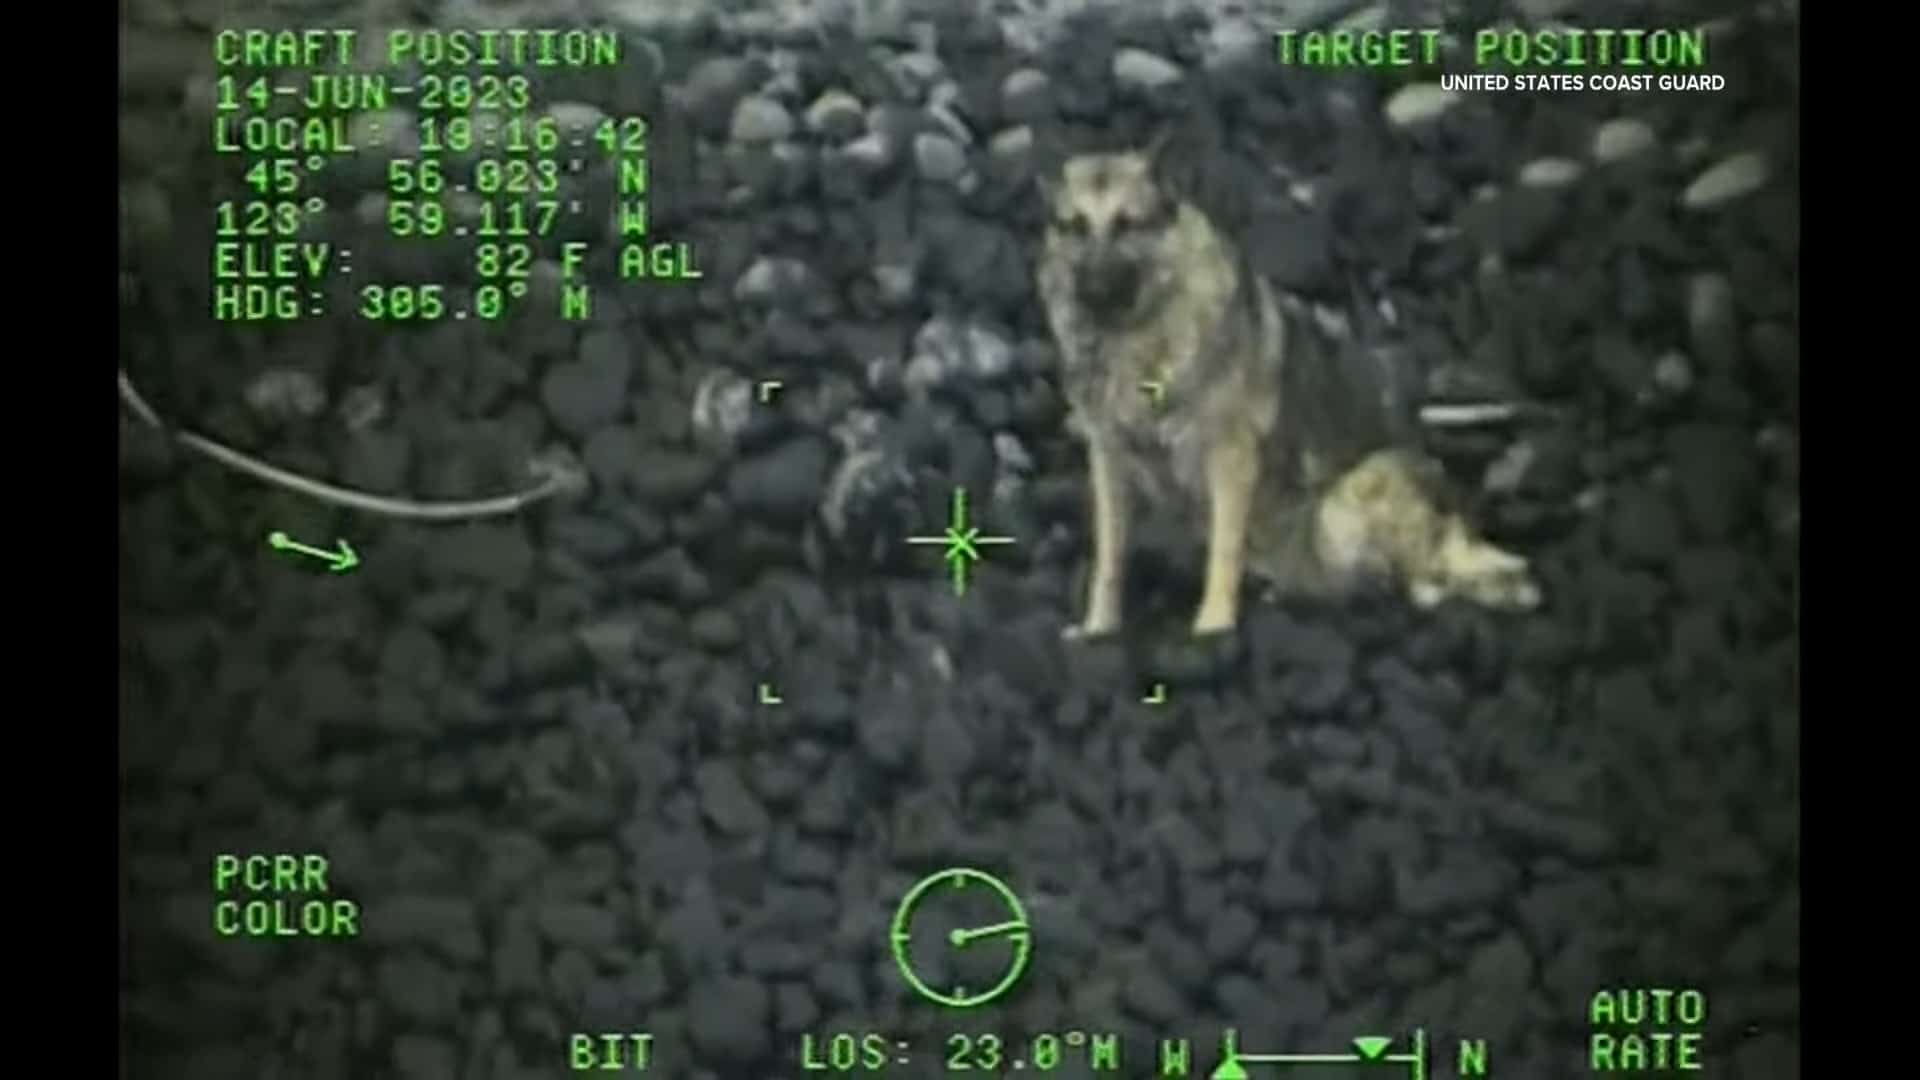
[1114, 223]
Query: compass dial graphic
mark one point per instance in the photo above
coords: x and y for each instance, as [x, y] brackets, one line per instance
[961, 938]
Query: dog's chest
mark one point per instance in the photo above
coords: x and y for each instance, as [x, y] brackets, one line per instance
[1155, 426]
[1142, 393]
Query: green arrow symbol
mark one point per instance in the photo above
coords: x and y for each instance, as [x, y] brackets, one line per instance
[1371, 1046]
[340, 560]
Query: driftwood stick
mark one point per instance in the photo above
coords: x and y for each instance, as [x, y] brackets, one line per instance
[553, 473]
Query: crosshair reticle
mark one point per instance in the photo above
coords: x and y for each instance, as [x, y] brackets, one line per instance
[961, 938]
[962, 541]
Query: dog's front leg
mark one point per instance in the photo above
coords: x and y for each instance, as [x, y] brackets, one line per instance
[1233, 473]
[1106, 584]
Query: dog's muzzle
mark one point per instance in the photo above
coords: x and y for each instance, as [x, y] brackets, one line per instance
[1107, 284]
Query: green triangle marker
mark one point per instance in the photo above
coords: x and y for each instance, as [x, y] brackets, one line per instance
[1372, 1046]
[1230, 1069]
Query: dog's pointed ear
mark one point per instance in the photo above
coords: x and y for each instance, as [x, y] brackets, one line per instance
[1158, 147]
[1166, 157]
[1048, 184]
[1049, 162]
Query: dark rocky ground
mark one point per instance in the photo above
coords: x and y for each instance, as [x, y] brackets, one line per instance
[530, 747]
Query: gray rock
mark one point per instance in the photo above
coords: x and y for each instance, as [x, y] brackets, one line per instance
[1728, 179]
[606, 353]
[1368, 17]
[836, 115]
[794, 1007]
[948, 119]
[576, 119]
[369, 210]
[924, 372]
[1716, 478]
[777, 281]
[897, 282]
[447, 924]
[1673, 373]
[897, 123]
[947, 348]
[727, 1019]
[939, 158]
[1143, 71]
[873, 151]
[670, 576]
[787, 79]
[286, 393]
[1012, 147]
[362, 407]
[727, 801]
[1497, 969]
[1644, 527]
[1515, 224]
[612, 642]
[1550, 172]
[643, 14]
[714, 82]
[417, 989]
[425, 1057]
[545, 285]
[490, 553]
[917, 72]
[1150, 995]
[1231, 934]
[1768, 1055]
[145, 213]
[378, 461]
[1234, 42]
[723, 406]
[1621, 364]
[585, 926]
[1419, 103]
[1622, 138]
[516, 958]
[1509, 470]
[1634, 288]
[666, 477]
[612, 457]
[783, 485]
[1712, 330]
[1504, 962]
[1012, 454]
[714, 629]
[1026, 96]
[591, 393]
[760, 119]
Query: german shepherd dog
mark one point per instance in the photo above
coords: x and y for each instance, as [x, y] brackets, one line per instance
[1198, 386]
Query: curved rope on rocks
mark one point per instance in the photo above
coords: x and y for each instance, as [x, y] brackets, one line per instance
[554, 474]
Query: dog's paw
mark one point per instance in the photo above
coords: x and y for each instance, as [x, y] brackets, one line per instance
[1505, 584]
[1480, 573]
[1214, 623]
[1091, 630]
[1519, 593]
[1427, 595]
